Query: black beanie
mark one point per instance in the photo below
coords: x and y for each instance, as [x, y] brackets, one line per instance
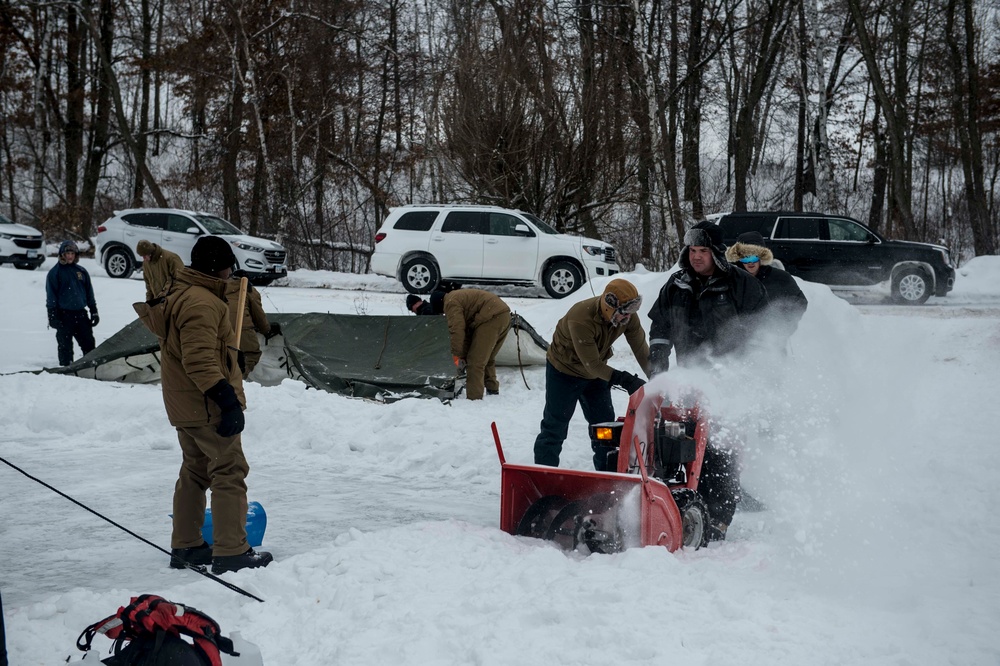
[211, 254]
[412, 300]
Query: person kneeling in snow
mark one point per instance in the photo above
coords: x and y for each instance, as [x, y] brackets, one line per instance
[478, 322]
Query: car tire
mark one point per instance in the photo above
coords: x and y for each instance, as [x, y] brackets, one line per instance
[26, 267]
[911, 286]
[561, 279]
[420, 276]
[118, 263]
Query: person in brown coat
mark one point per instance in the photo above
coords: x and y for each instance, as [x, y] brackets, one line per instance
[577, 370]
[159, 267]
[203, 396]
[478, 322]
[254, 321]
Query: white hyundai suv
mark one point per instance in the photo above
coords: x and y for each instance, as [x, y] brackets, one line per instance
[21, 245]
[425, 245]
[178, 230]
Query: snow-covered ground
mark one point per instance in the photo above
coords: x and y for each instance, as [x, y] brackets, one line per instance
[876, 452]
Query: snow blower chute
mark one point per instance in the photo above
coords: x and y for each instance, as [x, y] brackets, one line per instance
[651, 499]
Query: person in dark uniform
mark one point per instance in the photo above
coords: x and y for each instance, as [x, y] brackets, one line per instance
[708, 311]
[68, 295]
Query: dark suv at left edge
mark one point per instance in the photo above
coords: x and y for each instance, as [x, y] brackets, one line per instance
[843, 253]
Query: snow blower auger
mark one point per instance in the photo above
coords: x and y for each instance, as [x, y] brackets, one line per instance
[651, 499]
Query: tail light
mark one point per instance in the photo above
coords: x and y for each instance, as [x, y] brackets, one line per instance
[101, 229]
[380, 236]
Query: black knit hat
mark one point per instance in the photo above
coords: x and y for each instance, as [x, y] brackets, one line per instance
[412, 300]
[211, 254]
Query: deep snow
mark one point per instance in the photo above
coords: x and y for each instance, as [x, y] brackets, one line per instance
[875, 451]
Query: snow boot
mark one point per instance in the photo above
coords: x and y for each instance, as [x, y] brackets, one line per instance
[248, 560]
[715, 530]
[200, 555]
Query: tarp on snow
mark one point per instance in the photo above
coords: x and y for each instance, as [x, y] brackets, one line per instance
[383, 358]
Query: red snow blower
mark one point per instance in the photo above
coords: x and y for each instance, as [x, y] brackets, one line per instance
[652, 498]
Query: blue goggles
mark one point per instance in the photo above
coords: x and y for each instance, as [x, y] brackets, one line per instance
[752, 259]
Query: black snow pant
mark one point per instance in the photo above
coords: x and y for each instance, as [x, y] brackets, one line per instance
[562, 392]
[720, 483]
[73, 324]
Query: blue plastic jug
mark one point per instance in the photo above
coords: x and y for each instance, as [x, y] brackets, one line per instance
[256, 524]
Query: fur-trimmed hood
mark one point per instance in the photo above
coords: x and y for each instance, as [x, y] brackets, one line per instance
[738, 250]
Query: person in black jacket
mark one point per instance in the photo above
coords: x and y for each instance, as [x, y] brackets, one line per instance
[707, 310]
[68, 294]
[786, 302]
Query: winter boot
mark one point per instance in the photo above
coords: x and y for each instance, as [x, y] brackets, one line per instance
[716, 530]
[492, 392]
[248, 560]
[200, 555]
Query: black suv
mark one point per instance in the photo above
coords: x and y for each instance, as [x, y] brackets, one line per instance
[843, 253]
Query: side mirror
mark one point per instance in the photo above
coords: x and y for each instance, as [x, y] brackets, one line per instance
[521, 229]
[194, 231]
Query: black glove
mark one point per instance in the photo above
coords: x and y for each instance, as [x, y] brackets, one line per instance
[626, 380]
[273, 331]
[94, 318]
[241, 360]
[54, 320]
[659, 359]
[224, 395]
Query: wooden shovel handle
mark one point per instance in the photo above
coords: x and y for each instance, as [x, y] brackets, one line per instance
[241, 307]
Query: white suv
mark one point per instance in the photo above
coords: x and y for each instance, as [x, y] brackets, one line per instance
[177, 231]
[423, 246]
[21, 245]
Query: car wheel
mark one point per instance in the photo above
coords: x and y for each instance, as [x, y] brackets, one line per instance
[118, 263]
[420, 276]
[911, 287]
[26, 267]
[562, 279]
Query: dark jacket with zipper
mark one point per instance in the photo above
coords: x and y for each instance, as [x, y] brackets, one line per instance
[199, 349]
[704, 318]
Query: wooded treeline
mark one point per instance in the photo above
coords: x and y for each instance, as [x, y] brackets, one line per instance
[305, 120]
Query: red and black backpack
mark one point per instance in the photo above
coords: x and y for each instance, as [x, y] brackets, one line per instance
[148, 632]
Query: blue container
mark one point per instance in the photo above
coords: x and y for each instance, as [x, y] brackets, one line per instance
[256, 524]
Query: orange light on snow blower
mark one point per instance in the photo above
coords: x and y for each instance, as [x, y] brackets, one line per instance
[603, 433]
[606, 434]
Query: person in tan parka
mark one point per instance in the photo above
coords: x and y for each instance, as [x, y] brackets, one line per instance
[203, 396]
[577, 370]
[478, 322]
[254, 321]
[159, 267]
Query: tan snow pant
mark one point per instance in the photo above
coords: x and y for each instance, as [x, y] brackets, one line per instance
[211, 461]
[480, 360]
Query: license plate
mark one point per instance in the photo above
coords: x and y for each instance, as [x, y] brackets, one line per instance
[278, 268]
[32, 254]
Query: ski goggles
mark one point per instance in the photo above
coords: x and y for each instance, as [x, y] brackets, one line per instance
[752, 259]
[623, 308]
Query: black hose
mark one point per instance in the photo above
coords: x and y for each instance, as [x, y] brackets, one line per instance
[193, 567]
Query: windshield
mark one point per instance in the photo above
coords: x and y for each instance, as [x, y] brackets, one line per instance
[216, 225]
[4, 220]
[544, 228]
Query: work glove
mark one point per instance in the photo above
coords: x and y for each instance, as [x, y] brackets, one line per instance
[224, 395]
[626, 380]
[659, 359]
[460, 364]
[54, 320]
[94, 318]
[273, 331]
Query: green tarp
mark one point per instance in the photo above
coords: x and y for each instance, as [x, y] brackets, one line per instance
[383, 358]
